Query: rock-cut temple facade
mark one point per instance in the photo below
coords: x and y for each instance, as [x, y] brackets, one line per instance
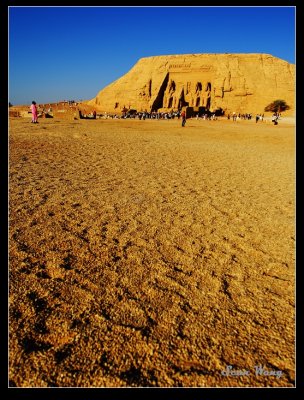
[231, 82]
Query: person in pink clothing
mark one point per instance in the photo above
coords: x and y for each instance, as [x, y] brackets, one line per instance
[34, 112]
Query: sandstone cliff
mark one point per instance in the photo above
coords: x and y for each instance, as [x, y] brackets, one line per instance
[233, 82]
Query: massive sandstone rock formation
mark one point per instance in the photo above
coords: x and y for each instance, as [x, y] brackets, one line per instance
[233, 82]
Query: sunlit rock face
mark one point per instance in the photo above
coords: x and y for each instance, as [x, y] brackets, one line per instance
[231, 82]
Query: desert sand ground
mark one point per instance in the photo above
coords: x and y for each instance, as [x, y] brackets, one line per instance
[145, 254]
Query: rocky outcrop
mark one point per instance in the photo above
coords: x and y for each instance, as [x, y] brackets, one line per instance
[232, 82]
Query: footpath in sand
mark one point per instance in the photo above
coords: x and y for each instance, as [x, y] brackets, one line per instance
[146, 254]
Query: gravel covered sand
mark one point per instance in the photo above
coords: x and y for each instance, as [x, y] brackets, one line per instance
[147, 254]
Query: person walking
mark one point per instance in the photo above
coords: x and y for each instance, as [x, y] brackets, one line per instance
[275, 118]
[183, 115]
[34, 113]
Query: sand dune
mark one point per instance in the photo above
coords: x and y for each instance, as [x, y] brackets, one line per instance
[147, 254]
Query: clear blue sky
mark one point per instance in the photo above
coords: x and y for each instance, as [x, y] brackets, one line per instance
[65, 53]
